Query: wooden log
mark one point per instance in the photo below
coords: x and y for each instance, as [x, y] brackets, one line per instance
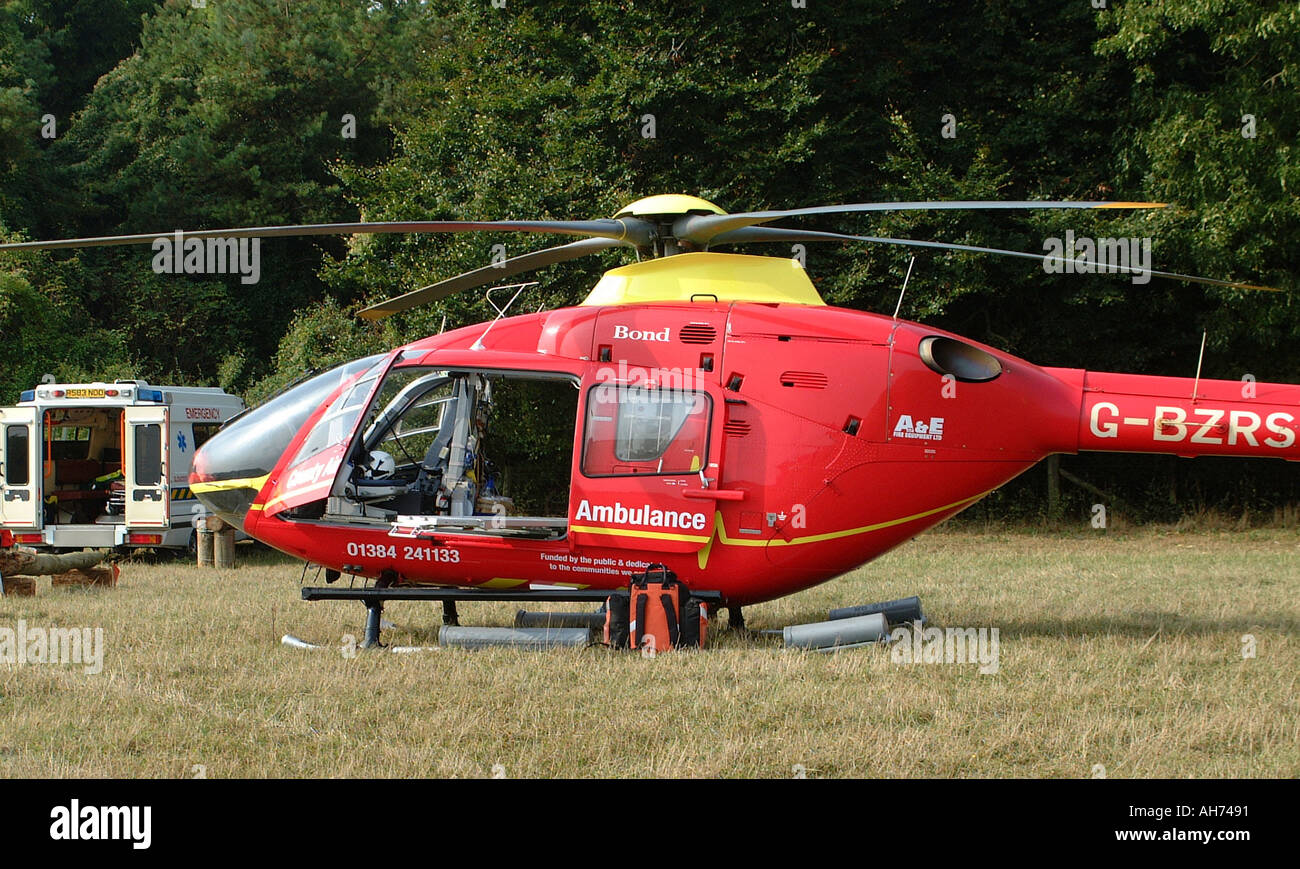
[223, 549]
[16, 560]
[21, 561]
[19, 586]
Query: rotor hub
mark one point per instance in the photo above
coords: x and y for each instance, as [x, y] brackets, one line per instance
[662, 213]
[668, 205]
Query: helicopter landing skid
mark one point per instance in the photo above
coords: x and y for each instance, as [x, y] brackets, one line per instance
[374, 599]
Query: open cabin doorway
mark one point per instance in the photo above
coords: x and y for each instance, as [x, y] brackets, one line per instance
[466, 451]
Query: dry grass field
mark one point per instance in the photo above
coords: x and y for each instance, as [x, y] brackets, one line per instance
[1120, 649]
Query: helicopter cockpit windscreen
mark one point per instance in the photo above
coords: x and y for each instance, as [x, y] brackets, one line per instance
[334, 426]
[472, 451]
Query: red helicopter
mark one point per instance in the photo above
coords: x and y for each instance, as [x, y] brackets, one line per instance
[724, 421]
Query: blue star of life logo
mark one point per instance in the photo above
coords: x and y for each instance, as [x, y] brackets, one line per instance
[180, 440]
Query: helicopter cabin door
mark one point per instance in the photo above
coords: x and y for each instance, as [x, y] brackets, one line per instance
[20, 468]
[647, 466]
[144, 466]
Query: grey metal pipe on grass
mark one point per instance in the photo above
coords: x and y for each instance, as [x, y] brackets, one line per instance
[520, 638]
[905, 609]
[526, 619]
[840, 632]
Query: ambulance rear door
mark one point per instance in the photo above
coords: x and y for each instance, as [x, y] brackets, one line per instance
[20, 468]
[144, 467]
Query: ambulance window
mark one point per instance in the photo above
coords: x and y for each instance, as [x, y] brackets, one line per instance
[17, 456]
[71, 442]
[634, 430]
[148, 454]
[203, 431]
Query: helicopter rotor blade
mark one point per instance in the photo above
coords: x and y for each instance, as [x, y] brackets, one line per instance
[630, 230]
[764, 233]
[703, 228]
[486, 275]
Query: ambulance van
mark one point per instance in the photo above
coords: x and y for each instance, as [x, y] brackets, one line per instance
[105, 465]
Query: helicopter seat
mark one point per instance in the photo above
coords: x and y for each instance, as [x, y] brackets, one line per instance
[365, 489]
[448, 454]
[439, 451]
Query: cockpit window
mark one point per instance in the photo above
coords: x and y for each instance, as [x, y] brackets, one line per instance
[251, 444]
[340, 419]
[412, 408]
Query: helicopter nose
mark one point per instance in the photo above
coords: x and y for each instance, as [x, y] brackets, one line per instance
[221, 488]
[232, 466]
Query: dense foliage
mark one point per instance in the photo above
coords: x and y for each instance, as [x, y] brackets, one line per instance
[169, 114]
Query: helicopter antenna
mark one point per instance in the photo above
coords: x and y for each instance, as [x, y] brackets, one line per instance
[906, 278]
[1197, 382]
[443, 327]
[501, 309]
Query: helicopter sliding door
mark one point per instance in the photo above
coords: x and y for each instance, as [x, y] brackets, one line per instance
[646, 467]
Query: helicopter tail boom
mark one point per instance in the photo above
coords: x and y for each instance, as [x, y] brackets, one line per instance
[1189, 417]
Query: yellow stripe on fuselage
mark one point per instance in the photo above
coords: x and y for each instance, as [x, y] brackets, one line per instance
[254, 483]
[302, 490]
[720, 530]
[632, 532]
[848, 532]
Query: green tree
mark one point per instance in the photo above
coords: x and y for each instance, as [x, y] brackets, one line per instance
[229, 115]
[575, 108]
[1213, 125]
[25, 72]
[43, 330]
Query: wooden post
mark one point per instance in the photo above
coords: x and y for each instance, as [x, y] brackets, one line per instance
[1054, 488]
[203, 543]
[223, 551]
[223, 542]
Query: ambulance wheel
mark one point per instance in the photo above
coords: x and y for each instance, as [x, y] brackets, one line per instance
[192, 545]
